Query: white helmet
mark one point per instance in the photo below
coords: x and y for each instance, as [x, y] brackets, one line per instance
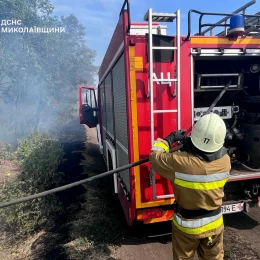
[209, 133]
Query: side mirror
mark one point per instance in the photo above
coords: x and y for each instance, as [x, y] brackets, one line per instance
[88, 110]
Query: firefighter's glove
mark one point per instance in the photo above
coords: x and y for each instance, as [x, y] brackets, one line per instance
[175, 137]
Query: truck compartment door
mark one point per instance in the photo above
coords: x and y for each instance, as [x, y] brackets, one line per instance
[88, 111]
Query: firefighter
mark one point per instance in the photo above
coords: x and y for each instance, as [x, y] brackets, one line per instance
[198, 173]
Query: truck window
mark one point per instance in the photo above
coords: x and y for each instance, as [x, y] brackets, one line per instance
[88, 98]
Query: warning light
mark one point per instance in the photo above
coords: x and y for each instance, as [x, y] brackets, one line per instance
[150, 214]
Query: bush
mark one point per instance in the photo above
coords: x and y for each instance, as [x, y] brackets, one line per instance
[38, 157]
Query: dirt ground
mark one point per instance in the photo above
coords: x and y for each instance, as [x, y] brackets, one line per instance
[8, 169]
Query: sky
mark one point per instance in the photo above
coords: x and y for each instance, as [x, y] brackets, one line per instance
[99, 17]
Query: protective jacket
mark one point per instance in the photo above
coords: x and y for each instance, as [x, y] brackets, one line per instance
[198, 180]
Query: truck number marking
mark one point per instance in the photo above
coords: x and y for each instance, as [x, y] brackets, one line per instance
[168, 76]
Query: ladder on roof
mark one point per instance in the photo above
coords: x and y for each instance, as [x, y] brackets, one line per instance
[162, 17]
[252, 26]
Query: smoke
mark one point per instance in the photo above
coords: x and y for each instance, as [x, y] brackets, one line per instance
[40, 72]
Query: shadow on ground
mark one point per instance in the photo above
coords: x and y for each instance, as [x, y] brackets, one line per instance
[241, 221]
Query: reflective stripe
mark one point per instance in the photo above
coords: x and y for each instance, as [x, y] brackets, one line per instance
[158, 149]
[200, 185]
[160, 145]
[202, 178]
[199, 230]
[196, 223]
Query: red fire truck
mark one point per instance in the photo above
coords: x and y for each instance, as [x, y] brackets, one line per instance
[152, 83]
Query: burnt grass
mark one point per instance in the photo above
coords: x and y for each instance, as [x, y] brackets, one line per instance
[92, 220]
[50, 245]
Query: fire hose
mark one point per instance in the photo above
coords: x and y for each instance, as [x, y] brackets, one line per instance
[122, 168]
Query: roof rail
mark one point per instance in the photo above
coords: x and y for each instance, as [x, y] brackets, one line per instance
[241, 9]
[218, 24]
[252, 26]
